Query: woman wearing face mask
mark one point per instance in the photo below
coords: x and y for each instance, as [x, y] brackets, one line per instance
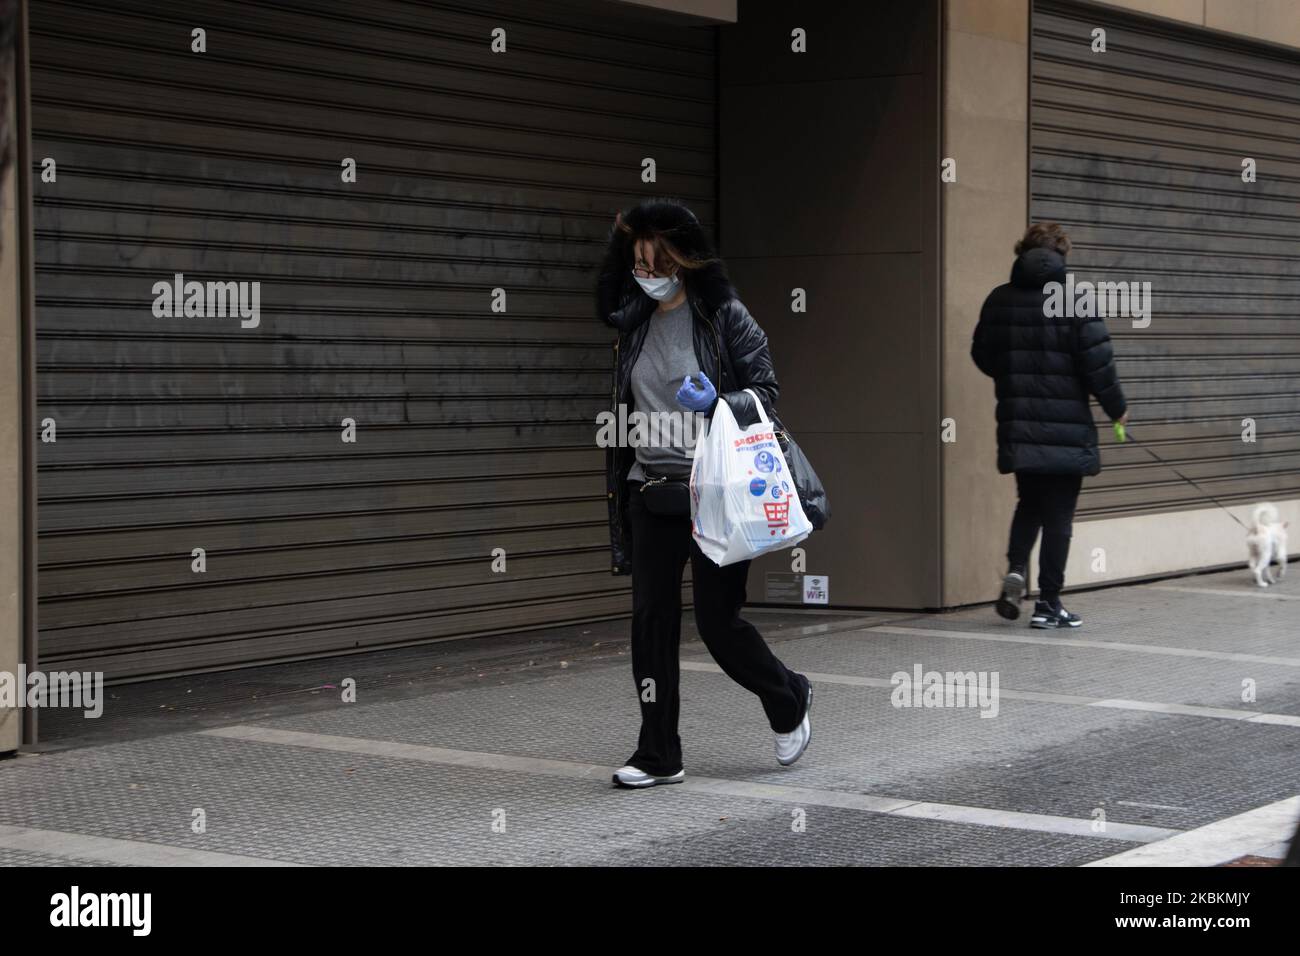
[685, 342]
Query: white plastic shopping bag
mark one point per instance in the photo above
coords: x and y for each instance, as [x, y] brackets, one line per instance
[743, 499]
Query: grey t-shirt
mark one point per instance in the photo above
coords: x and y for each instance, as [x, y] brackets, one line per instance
[667, 356]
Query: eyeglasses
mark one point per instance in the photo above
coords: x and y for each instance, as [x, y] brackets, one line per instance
[641, 272]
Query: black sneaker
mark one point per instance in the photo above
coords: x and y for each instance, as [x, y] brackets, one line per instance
[1047, 616]
[1013, 592]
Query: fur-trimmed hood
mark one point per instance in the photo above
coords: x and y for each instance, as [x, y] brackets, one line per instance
[616, 289]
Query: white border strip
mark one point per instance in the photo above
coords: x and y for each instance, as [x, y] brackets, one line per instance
[1076, 642]
[130, 852]
[1139, 546]
[800, 796]
[1042, 697]
[1255, 832]
[1257, 592]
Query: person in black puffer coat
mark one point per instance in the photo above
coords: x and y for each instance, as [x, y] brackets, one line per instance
[1045, 368]
[685, 343]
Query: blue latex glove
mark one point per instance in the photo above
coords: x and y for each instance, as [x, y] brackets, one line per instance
[696, 397]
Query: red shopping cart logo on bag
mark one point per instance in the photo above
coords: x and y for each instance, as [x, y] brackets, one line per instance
[778, 515]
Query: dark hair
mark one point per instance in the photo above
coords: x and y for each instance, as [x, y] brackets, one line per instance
[671, 229]
[676, 235]
[1044, 235]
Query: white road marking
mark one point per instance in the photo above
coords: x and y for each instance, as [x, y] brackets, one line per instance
[800, 796]
[1076, 642]
[1255, 592]
[1042, 697]
[1191, 710]
[1255, 832]
[1275, 851]
[131, 852]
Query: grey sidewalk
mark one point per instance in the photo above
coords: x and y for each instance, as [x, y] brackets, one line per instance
[1139, 716]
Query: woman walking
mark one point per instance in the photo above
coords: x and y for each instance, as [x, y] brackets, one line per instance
[1045, 367]
[685, 342]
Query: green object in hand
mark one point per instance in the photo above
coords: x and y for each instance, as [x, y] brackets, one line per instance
[1121, 435]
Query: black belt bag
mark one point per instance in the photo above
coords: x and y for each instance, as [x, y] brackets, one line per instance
[667, 495]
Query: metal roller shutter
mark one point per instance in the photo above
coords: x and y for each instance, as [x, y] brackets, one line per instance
[475, 429]
[1138, 152]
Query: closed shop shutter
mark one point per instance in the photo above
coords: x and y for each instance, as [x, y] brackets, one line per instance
[475, 429]
[1138, 152]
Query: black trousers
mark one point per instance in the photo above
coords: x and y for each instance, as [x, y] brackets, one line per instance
[660, 548]
[1047, 503]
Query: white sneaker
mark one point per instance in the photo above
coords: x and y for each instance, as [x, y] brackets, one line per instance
[630, 776]
[790, 747]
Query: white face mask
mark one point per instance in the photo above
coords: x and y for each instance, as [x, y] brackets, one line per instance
[659, 289]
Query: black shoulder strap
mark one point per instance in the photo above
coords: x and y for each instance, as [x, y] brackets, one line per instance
[726, 351]
[731, 370]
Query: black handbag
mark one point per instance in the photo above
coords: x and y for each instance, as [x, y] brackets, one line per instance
[666, 495]
[812, 494]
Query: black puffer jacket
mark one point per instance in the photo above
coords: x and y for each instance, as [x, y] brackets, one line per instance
[1045, 369]
[720, 321]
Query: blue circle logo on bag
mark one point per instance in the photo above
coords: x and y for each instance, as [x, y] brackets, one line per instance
[757, 487]
[765, 461]
[776, 492]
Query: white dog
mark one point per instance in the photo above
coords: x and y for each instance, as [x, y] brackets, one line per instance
[1267, 544]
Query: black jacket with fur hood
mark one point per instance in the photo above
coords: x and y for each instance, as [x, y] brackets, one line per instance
[1045, 369]
[729, 345]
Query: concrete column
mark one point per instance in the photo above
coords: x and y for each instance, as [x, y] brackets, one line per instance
[11, 489]
[828, 184]
[15, 290]
[986, 130]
